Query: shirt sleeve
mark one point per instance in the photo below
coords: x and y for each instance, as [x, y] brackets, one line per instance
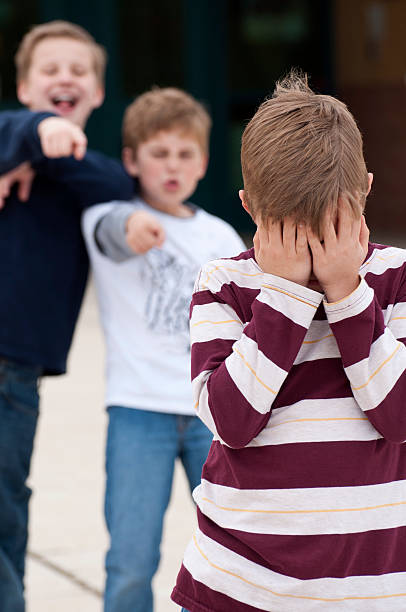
[19, 138]
[374, 358]
[238, 368]
[95, 178]
[110, 233]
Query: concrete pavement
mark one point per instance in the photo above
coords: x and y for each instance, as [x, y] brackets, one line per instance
[68, 539]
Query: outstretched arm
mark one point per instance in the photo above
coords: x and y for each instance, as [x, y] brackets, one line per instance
[238, 368]
[125, 231]
[56, 148]
[19, 138]
[95, 178]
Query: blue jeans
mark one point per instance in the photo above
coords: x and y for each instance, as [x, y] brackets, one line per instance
[18, 420]
[142, 447]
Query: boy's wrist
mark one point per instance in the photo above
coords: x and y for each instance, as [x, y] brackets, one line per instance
[351, 305]
[342, 290]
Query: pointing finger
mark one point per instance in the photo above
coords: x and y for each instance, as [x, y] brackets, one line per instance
[79, 147]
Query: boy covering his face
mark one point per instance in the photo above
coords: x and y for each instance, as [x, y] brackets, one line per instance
[299, 370]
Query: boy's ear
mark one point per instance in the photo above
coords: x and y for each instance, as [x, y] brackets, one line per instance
[99, 96]
[128, 158]
[22, 93]
[245, 206]
[370, 180]
[205, 163]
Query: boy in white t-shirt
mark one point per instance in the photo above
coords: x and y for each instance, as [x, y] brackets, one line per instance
[146, 255]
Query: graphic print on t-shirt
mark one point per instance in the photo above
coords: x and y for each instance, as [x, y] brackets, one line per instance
[170, 286]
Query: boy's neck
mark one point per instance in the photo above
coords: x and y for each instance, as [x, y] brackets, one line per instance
[174, 210]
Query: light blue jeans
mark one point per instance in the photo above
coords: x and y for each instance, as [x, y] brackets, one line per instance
[18, 421]
[142, 447]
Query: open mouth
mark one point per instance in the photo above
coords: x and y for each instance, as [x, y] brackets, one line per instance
[171, 185]
[64, 103]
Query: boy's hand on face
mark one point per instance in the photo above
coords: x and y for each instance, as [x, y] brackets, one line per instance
[281, 249]
[337, 259]
[23, 175]
[61, 138]
[143, 232]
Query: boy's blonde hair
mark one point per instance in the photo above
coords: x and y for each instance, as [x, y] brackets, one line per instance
[299, 152]
[163, 109]
[58, 29]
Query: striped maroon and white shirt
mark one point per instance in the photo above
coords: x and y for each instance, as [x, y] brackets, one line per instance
[302, 504]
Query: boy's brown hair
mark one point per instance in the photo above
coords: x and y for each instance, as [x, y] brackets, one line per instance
[161, 109]
[299, 153]
[58, 29]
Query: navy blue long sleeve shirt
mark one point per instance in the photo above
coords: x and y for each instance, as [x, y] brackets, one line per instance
[43, 260]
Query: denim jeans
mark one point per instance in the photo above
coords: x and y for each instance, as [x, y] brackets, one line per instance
[142, 447]
[18, 420]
